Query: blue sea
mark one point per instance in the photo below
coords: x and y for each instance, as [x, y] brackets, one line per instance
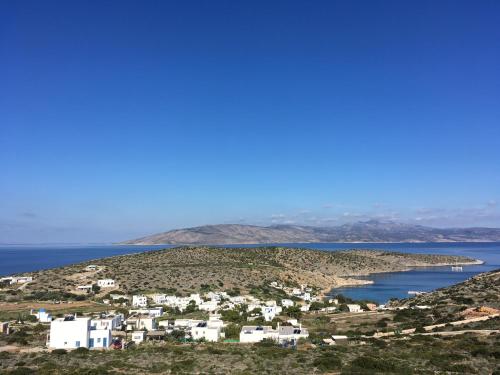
[17, 259]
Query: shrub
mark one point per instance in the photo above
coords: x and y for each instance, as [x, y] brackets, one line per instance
[59, 351]
[327, 362]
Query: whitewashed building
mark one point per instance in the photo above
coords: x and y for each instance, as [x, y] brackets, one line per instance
[153, 312]
[72, 332]
[159, 299]
[139, 301]
[106, 283]
[305, 308]
[209, 305]
[69, 333]
[99, 338]
[137, 323]
[287, 302]
[186, 323]
[17, 279]
[285, 334]
[354, 308]
[138, 336]
[291, 334]
[112, 322]
[269, 312]
[42, 315]
[253, 334]
[206, 332]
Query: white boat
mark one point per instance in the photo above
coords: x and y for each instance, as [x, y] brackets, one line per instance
[457, 268]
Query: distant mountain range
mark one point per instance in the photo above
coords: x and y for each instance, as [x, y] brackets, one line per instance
[364, 231]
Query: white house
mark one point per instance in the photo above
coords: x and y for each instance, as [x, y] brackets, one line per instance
[139, 301]
[138, 336]
[252, 334]
[305, 308]
[217, 295]
[112, 322]
[186, 323]
[153, 312]
[69, 333]
[269, 312]
[354, 308]
[116, 296]
[291, 334]
[106, 283]
[203, 331]
[99, 338]
[209, 305]
[141, 323]
[91, 267]
[287, 303]
[237, 300]
[72, 332]
[159, 299]
[42, 316]
[17, 279]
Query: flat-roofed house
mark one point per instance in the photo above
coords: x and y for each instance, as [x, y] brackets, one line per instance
[208, 333]
[139, 301]
[42, 315]
[137, 323]
[290, 334]
[112, 322]
[252, 334]
[106, 283]
[69, 333]
[354, 308]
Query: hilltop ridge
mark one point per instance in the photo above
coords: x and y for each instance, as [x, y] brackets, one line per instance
[363, 231]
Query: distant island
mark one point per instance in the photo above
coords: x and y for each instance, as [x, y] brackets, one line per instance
[364, 231]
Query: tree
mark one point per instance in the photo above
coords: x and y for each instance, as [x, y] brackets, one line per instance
[96, 288]
[293, 312]
[232, 331]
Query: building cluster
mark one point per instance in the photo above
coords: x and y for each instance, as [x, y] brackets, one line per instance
[304, 292]
[101, 332]
[147, 320]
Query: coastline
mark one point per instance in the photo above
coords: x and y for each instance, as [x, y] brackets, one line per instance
[352, 281]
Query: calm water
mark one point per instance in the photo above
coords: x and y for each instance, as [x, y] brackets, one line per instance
[15, 259]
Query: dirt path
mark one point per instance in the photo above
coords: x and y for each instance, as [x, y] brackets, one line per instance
[430, 328]
[22, 306]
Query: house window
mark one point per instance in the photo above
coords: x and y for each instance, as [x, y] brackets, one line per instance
[77, 344]
[98, 340]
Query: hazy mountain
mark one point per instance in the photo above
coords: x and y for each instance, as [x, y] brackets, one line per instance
[366, 231]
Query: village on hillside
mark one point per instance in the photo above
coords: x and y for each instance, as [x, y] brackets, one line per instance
[123, 320]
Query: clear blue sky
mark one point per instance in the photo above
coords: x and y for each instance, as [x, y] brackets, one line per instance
[119, 118]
